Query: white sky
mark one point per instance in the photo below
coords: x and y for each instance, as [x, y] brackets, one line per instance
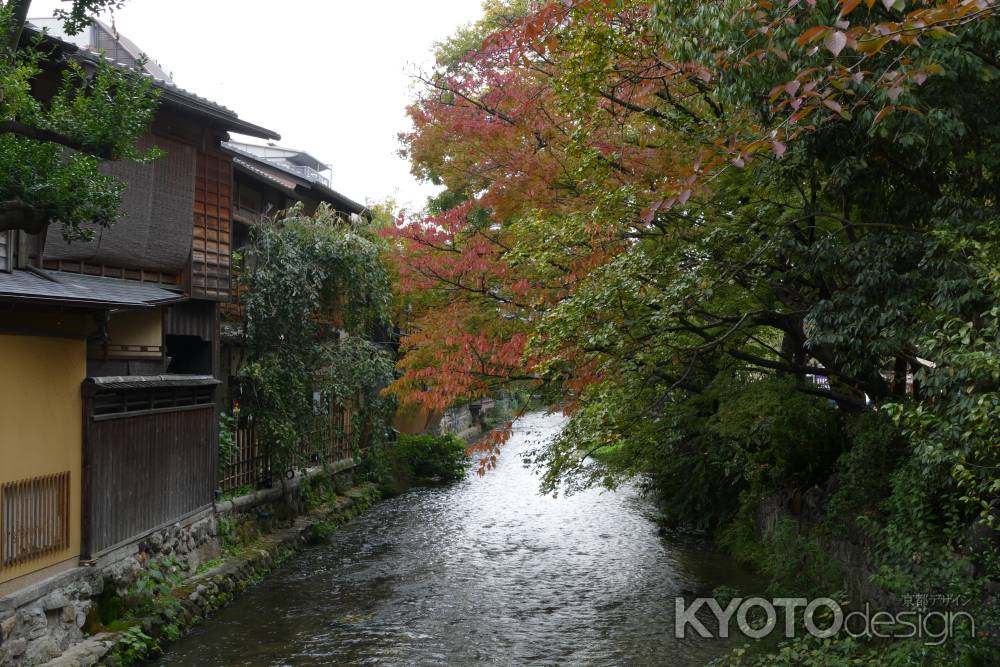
[332, 77]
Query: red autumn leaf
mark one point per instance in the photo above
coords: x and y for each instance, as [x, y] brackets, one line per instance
[811, 34]
[848, 6]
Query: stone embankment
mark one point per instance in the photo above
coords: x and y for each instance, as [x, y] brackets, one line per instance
[128, 604]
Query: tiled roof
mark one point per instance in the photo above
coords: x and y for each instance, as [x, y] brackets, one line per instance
[174, 93]
[256, 171]
[74, 289]
[147, 382]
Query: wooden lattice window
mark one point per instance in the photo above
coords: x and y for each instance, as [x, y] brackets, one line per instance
[34, 518]
[170, 399]
[210, 249]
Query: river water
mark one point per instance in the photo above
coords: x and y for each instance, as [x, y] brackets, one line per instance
[483, 572]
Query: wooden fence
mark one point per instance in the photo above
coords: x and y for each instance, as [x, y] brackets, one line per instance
[150, 457]
[250, 466]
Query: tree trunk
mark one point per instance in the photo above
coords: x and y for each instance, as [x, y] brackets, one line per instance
[19, 11]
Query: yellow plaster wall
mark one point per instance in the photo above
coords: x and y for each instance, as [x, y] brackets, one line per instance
[41, 422]
[134, 327]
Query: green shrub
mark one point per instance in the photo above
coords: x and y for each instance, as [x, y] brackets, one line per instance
[864, 472]
[740, 539]
[780, 436]
[227, 439]
[795, 564]
[431, 458]
[798, 566]
[134, 646]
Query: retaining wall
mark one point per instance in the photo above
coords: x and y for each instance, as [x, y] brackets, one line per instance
[57, 621]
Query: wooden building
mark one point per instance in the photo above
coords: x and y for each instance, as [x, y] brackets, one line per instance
[110, 352]
[269, 179]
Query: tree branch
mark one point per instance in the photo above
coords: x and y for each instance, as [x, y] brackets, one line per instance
[39, 134]
[19, 15]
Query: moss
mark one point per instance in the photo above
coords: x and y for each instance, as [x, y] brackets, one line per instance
[740, 539]
[107, 609]
[209, 565]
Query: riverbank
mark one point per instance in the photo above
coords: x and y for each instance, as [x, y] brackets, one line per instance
[256, 536]
[133, 597]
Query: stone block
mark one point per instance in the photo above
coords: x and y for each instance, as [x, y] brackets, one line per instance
[55, 600]
[7, 627]
[69, 614]
[16, 648]
[38, 652]
[156, 541]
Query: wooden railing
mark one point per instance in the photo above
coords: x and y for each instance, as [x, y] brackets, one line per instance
[250, 465]
[34, 518]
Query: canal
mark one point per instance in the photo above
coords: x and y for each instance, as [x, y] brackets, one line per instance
[486, 571]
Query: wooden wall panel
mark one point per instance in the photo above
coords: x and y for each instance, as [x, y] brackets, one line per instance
[146, 470]
[211, 243]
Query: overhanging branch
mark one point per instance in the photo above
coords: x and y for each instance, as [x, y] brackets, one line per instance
[40, 134]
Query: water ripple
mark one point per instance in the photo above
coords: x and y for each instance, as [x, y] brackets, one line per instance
[484, 572]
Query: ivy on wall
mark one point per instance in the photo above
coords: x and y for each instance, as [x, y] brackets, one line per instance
[314, 293]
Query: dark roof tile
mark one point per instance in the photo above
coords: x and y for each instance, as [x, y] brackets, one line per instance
[73, 289]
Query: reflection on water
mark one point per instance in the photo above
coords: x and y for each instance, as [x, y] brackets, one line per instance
[486, 571]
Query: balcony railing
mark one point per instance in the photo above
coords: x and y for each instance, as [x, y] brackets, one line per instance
[309, 174]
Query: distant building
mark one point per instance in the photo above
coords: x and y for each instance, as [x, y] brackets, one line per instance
[291, 160]
[102, 38]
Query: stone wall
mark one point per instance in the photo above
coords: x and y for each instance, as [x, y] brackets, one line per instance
[459, 421]
[49, 619]
[246, 560]
[848, 545]
[40, 622]
[189, 543]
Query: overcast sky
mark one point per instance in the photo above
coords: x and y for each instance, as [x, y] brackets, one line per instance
[330, 76]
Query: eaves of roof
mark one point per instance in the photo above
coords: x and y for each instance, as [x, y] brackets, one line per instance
[172, 94]
[329, 194]
[227, 119]
[82, 291]
[303, 187]
[247, 167]
[92, 385]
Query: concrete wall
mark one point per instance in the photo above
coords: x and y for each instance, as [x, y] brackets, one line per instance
[41, 424]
